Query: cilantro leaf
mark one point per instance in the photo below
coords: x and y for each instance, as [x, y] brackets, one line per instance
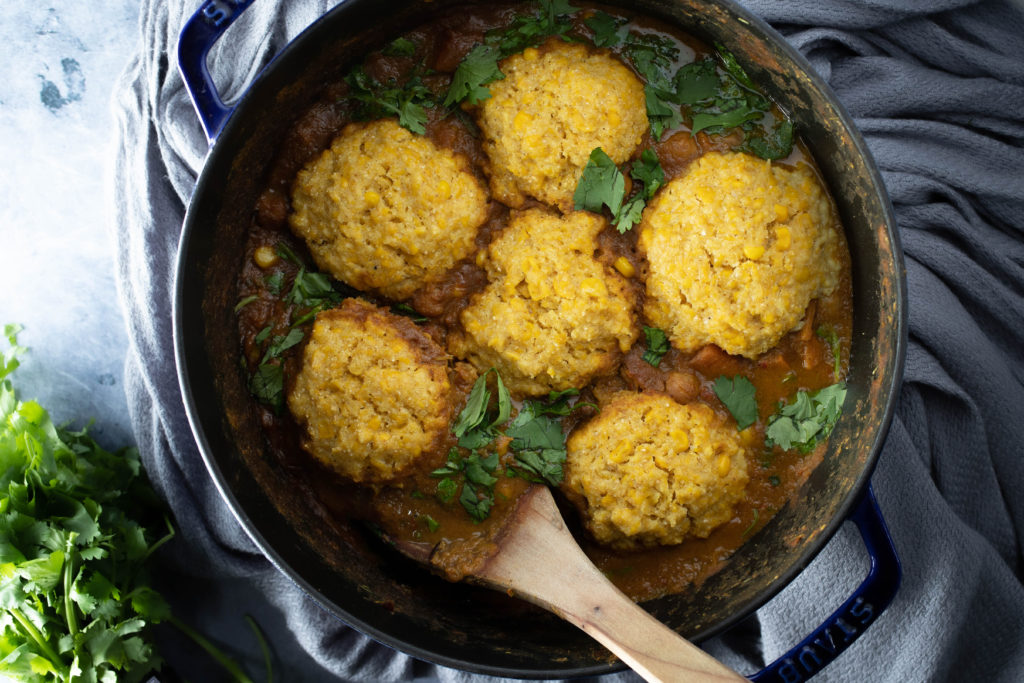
[657, 345]
[737, 395]
[471, 417]
[660, 113]
[546, 465]
[652, 56]
[399, 47]
[630, 213]
[76, 529]
[479, 68]
[602, 184]
[605, 28]
[774, 144]
[696, 82]
[267, 385]
[734, 68]
[530, 30]
[477, 502]
[808, 420]
[446, 490]
[648, 171]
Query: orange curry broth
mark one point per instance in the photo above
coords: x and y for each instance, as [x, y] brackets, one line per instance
[409, 509]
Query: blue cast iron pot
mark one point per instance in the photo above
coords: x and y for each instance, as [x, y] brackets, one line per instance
[459, 625]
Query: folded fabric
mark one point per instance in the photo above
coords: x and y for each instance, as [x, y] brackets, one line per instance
[937, 88]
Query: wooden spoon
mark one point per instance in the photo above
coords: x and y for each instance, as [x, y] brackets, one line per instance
[537, 559]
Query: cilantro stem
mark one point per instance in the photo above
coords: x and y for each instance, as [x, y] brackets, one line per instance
[168, 536]
[750, 528]
[31, 632]
[264, 647]
[69, 604]
[238, 676]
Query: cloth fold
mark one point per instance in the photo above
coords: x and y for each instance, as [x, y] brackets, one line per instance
[937, 89]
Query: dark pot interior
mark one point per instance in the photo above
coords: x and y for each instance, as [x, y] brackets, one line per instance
[370, 587]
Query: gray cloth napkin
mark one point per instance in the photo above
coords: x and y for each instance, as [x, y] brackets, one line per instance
[937, 88]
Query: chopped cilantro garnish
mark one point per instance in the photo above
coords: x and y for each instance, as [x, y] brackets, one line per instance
[242, 303]
[776, 143]
[399, 47]
[274, 283]
[267, 385]
[537, 442]
[737, 394]
[311, 293]
[603, 184]
[657, 345]
[476, 501]
[281, 343]
[407, 101]
[471, 428]
[479, 68]
[446, 490]
[647, 170]
[432, 524]
[696, 82]
[531, 30]
[653, 56]
[808, 420]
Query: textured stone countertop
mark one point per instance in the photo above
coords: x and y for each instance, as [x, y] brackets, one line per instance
[58, 66]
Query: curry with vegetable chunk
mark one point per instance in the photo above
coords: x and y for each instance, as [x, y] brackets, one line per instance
[470, 274]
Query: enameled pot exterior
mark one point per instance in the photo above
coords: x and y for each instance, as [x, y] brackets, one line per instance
[347, 570]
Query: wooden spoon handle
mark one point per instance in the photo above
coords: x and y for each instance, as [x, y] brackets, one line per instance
[540, 561]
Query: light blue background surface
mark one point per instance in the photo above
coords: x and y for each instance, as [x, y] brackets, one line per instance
[58, 67]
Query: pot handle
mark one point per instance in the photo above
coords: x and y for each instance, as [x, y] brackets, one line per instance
[202, 30]
[853, 617]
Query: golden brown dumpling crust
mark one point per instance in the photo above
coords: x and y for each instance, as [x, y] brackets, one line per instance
[648, 471]
[554, 106]
[551, 316]
[737, 248]
[387, 211]
[373, 395]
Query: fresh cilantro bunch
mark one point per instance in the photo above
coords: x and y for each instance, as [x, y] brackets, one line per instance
[78, 525]
[534, 436]
[76, 529]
